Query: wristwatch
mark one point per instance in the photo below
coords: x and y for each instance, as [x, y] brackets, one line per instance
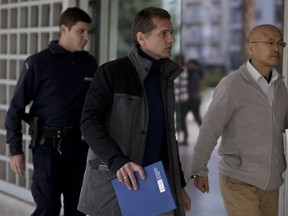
[193, 176]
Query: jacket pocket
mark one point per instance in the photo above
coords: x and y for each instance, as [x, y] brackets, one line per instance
[125, 110]
[98, 165]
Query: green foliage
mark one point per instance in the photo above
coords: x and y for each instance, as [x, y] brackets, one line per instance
[210, 80]
[127, 11]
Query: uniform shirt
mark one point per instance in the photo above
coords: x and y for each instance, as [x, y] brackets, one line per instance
[55, 81]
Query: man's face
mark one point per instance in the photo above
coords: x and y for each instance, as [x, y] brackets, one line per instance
[264, 55]
[76, 38]
[158, 42]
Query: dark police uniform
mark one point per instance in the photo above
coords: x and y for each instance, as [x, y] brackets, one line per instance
[55, 81]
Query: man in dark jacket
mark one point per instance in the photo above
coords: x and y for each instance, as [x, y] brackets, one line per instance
[128, 118]
[55, 80]
[189, 97]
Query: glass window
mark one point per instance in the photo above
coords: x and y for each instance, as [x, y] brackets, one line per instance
[127, 11]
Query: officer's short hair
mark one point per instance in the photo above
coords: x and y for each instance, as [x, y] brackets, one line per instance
[73, 15]
[143, 20]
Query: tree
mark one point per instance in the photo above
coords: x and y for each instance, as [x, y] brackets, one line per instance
[127, 12]
[248, 11]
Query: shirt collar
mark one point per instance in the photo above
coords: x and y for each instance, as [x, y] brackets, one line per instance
[257, 76]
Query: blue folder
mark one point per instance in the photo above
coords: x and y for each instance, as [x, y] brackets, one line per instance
[153, 196]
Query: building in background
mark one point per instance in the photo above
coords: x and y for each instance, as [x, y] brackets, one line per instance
[25, 27]
[214, 31]
[210, 31]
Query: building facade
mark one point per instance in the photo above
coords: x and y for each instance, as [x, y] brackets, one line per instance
[209, 30]
[214, 31]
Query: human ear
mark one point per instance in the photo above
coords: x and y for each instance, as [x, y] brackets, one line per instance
[63, 29]
[140, 38]
[250, 48]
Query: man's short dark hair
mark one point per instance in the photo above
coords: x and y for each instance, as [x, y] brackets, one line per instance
[143, 20]
[73, 15]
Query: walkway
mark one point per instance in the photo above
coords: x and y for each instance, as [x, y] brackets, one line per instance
[206, 204]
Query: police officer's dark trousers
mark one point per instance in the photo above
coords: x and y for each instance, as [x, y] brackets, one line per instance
[59, 166]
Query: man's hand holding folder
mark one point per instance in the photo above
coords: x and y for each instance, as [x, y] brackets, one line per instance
[152, 195]
[126, 174]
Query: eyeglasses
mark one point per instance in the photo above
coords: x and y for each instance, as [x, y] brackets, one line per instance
[271, 43]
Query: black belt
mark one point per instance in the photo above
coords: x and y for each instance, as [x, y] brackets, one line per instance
[61, 132]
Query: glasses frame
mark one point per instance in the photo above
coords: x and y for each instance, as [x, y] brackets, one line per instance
[272, 43]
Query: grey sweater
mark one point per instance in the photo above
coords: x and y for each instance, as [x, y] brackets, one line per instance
[250, 128]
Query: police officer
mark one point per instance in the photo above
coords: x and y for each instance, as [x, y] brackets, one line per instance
[55, 80]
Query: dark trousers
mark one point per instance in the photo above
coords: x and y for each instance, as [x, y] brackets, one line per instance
[185, 107]
[58, 173]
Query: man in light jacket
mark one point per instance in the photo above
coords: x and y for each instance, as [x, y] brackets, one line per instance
[249, 110]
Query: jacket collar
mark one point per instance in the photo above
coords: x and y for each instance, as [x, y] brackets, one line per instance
[247, 75]
[169, 70]
[55, 49]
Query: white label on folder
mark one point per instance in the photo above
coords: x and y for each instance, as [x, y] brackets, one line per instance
[159, 180]
[161, 186]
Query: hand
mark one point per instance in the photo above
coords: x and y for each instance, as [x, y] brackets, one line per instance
[126, 175]
[201, 182]
[186, 200]
[17, 163]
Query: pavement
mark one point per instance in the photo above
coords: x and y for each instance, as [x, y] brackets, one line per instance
[203, 204]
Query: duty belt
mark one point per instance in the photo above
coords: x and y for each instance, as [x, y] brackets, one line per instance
[61, 132]
[58, 134]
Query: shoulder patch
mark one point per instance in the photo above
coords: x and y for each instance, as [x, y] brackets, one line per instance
[88, 79]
